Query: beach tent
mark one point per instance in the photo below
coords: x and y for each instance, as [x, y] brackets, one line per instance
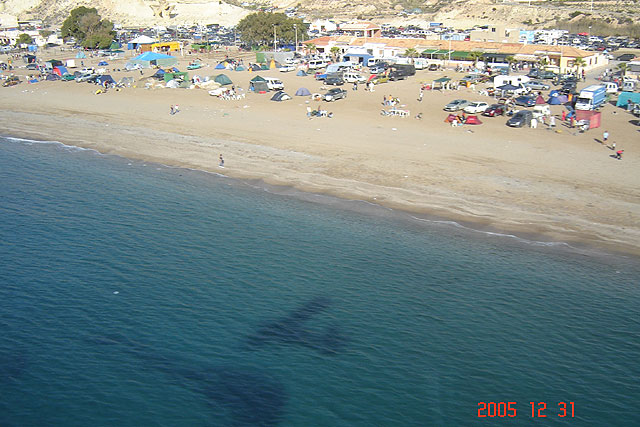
[280, 96]
[257, 79]
[105, 79]
[507, 87]
[60, 70]
[150, 59]
[303, 91]
[301, 73]
[255, 67]
[102, 63]
[239, 68]
[540, 100]
[176, 76]
[563, 99]
[126, 81]
[81, 55]
[554, 100]
[33, 81]
[624, 97]
[159, 74]
[52, 77]
[221, 66]
[272, 64]
[223, 79]
[259, 86]
[472, 120]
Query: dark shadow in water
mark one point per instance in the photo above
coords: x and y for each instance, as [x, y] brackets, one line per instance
[294, 329]
[12, 365]
[251, 397]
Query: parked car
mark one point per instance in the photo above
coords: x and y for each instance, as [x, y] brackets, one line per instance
[380, 79]
[537, 85]
[378, 67]
[525, 101]
[353, 78]
[547, 75]
[476, 107]
[11, 81]
[495, 110]
[287, 68]
[334, 80]
[433, 67]
[626, 57]
[335, 94]
[32, 66]
[397, 75]
[85, 77]
[520, 119]
[567, 88]
[456, 105]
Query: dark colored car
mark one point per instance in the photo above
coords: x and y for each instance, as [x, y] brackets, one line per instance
[433, 67]
[520, 119]
[568, 88]
[547, 75]
[334, 80]
[495, 110]
[525, 101]
[335, 94]
[32, 66]
[397, 75]
[626, 57]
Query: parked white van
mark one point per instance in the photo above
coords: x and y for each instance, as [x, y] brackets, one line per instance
[314, 64]
[274, 84]
[353, 78]
[612, 87]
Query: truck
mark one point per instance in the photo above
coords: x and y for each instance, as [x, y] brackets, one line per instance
[591, 97]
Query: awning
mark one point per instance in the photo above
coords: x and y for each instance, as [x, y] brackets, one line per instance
[459, 54]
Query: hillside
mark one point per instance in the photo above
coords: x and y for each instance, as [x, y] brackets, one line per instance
[458, 13]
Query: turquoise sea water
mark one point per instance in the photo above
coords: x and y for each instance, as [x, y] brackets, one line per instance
[133, 294]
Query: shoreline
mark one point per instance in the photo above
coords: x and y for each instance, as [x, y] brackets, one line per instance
[525, 235]
[562, 186]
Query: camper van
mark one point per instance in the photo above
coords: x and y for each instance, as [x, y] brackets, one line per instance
[628, 85]
[274, 84]
[314, 64]
[612, 87]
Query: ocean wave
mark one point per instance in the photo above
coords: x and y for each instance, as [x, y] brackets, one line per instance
[52, 142]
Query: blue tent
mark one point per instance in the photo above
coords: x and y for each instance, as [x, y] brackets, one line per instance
[554, 100]
[102, 63]
[303, 91]
[175, 70]
[81, 55]
[301, 73]
[105, 78]
[220, 66]
[149, 59]
[624, 97]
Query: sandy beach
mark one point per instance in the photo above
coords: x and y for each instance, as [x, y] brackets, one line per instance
[561, 186]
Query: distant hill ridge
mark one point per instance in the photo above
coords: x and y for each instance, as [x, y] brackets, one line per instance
[459, 13]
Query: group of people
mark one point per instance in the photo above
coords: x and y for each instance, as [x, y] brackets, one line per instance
[390, 101]
[174, 109]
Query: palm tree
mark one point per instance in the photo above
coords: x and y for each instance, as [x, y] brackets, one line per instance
[411, 53]
[543, 62]
[335, 50]
[510, 60]
[623, 67]
[311, 47]
[475, 56]
[579, 63]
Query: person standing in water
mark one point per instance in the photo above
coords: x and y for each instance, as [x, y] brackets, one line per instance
[221, 164]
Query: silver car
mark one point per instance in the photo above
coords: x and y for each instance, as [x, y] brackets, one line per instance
[537, 85]
[456, 105]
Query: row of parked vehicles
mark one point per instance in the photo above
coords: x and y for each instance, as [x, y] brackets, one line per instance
[518, 119]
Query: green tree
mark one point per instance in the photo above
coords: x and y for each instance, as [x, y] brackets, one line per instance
[411, 53]
[579, 63]
[258, 28]
[86, 26]
[24, 38]
[475, 56]
[311, 47]
[335, 50]
[623, 67]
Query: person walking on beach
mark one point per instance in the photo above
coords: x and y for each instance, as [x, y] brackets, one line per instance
[613, 145]
[355, 85]
[421, 95]
[605, 136]
[619, 154]
[552, 122]
[221, 164]
[172, 110]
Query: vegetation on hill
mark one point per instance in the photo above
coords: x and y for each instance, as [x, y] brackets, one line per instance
[260, 29]
[88, 28]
